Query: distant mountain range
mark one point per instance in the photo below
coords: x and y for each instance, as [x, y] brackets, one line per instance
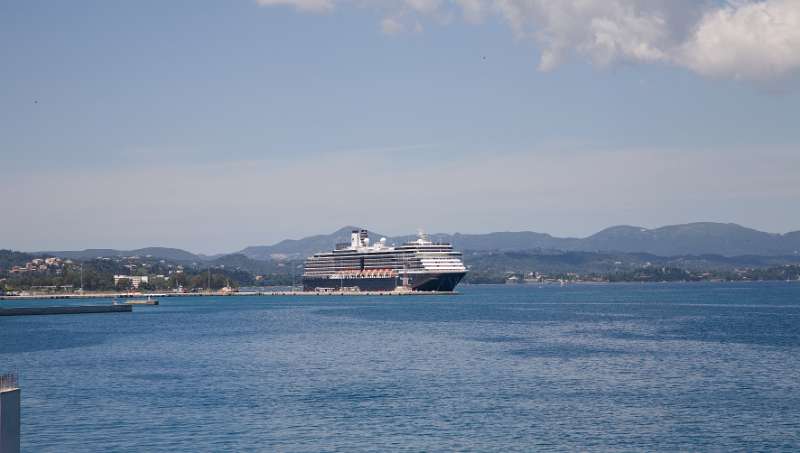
[165, 253]
[706, 238]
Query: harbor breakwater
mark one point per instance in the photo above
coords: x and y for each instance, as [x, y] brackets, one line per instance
[66, 310]
[218, 294]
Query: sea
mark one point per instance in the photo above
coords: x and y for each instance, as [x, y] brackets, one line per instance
[585, 367]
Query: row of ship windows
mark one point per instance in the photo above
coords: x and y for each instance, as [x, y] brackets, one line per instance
[356, 259]
[380, 256]
[395, 251]
[383, 261]
[337, 269]
[368, 268]
[386, 255]
[424, 249]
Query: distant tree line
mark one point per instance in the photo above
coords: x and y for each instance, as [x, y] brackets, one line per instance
[484, 267]
[98, 275]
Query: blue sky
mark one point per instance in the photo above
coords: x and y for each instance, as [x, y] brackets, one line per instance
[214, 125]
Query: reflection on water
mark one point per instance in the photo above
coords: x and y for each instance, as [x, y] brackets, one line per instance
[585, 367]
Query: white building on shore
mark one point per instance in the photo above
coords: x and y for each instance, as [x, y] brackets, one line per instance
[135, 280]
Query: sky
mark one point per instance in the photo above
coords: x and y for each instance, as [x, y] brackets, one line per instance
[215, 125]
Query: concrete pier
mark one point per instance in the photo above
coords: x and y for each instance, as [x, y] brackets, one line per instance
[9, 414]
[74, 310]
[240, 293]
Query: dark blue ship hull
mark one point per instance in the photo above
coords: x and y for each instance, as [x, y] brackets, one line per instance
[444, 281]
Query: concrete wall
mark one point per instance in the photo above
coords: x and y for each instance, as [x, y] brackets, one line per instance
[65, 310]
[9, 421]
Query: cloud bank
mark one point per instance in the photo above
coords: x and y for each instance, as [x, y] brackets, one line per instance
[220, 207]
[735, 39]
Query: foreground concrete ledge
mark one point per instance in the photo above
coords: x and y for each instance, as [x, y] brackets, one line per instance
[9, 420]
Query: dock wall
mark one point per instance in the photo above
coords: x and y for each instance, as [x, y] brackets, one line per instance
[27, 311]
[9, 420]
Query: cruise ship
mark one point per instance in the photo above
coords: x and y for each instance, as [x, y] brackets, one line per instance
[420, 265]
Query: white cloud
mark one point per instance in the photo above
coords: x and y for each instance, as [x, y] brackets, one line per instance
[604, 30]
[473, 9]
[424, 6]
[391, 26]
[757, 41]
[317, 6]
[740, 39]
[239, 203]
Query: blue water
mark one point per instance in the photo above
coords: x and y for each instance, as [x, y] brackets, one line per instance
[588, 367]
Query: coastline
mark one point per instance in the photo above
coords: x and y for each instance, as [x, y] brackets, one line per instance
[126, 295]
[106, 295]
